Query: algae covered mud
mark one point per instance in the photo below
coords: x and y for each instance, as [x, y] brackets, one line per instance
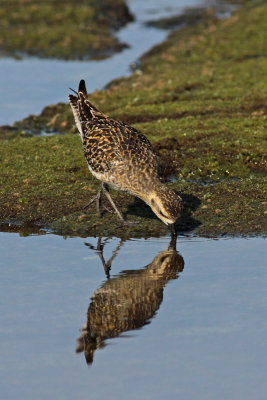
[200, 97]
[61, 29]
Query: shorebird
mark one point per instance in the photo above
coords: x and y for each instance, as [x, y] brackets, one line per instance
[123, 158]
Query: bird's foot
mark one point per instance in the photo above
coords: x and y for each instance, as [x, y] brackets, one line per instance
[108, 210]
[97, 199]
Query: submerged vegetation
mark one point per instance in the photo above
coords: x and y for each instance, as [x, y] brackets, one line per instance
[200, 97]
[66, 29]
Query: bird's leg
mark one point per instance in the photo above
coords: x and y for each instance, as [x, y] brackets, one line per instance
[97, 199]
[99, 249]
[105, 190]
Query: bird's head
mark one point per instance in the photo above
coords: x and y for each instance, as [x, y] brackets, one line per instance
[166, 204]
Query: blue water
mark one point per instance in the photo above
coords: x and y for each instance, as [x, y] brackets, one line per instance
[206, 341]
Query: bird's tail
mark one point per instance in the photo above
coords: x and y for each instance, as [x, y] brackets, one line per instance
[73, 100]
[83, 110]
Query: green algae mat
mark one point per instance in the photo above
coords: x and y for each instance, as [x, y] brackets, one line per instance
[64, 29]
[200, 97]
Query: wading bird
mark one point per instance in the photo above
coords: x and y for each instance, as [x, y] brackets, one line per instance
[123, 158]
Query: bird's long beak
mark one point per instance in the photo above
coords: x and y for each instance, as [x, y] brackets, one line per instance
[173, 230]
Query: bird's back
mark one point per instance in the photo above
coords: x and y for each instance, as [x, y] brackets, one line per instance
[115, 152]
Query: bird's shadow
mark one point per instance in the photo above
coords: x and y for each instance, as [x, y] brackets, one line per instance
[185, 222]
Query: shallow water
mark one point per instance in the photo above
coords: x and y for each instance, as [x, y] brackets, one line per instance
[207, 340]
[31, 84]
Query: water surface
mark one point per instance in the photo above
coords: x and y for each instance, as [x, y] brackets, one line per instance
[207, 340]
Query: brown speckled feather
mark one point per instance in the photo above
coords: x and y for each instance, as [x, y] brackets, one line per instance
[112, 148]
[119, 155]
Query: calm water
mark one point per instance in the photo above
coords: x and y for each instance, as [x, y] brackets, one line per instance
[207, 339]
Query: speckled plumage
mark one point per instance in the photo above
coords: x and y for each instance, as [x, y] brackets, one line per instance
[121, 156]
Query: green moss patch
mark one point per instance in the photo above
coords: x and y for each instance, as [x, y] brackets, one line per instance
[200, 97]
[65, 30]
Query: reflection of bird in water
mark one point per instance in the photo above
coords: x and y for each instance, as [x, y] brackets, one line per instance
[99, 250]
[128, 301]
[122, 157]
